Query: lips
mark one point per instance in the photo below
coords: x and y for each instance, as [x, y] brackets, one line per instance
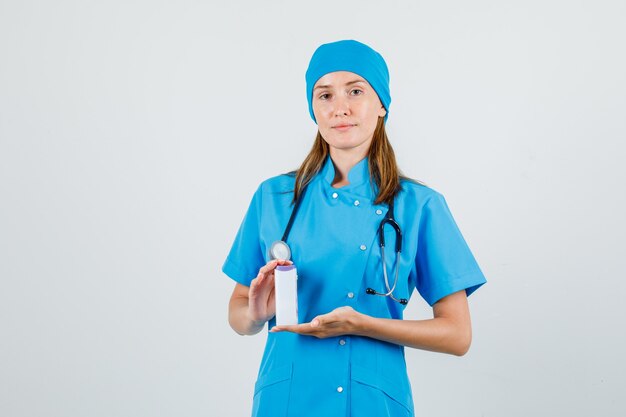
[344, 126]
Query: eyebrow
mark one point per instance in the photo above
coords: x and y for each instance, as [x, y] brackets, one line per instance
[348, 83]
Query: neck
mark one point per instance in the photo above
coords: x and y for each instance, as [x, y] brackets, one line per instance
[343, 162]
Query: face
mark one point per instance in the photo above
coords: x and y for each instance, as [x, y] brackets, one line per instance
[347, 109]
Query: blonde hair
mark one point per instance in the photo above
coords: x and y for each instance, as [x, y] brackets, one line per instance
[383, 167]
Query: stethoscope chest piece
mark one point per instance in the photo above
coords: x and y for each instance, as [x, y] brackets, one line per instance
[280, 250]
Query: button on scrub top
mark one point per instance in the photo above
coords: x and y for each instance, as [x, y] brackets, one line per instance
[334, 245]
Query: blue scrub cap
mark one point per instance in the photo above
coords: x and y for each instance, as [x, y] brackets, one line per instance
[352, 56]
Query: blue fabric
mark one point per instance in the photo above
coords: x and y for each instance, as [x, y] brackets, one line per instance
[352, 56]
[299, 375]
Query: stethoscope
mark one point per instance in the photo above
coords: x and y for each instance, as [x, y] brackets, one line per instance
[280, 249]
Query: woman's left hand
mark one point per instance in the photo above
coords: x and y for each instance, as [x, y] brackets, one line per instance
[340, 321]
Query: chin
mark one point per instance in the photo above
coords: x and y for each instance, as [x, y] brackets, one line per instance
[343, 144]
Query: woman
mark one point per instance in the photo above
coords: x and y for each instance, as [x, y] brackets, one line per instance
[346, 358]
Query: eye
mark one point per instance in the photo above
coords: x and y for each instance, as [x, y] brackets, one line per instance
[356, 92]
[324, 96]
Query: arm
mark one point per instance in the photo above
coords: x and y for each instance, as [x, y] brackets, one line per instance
[449, 331]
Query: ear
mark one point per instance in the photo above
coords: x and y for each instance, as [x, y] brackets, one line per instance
[382, 112]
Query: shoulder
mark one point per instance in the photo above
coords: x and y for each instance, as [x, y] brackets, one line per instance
[418, 194]
[279, 187]
[279, 184]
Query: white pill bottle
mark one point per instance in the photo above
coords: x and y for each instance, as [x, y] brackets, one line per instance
[286, 289]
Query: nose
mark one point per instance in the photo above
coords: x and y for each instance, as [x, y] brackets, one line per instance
[342, 108]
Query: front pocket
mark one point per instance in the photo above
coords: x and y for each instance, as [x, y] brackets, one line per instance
[395, 394]
[271, 393]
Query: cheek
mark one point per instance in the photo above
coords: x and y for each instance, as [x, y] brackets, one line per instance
[378, 111]
[320, 109]
[372, 117]
[316, 108]
[322, 119]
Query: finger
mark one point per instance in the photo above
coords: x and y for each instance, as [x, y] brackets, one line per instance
[302, 330]
[268, 267]
[324, 319]
[268, 282]
[262, 286]
[294, 328]
[278, 329]
[261, 278]
[271, 299]
[264, 272]
[271, 265]
[253, 284]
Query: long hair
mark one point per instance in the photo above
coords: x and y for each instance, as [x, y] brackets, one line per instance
[383, 167]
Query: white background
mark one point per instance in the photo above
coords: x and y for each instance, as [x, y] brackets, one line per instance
[133, 134]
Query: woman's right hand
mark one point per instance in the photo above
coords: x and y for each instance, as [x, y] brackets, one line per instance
[261, 296]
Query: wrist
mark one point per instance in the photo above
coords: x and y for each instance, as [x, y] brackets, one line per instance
[255, 323]
[361, 324]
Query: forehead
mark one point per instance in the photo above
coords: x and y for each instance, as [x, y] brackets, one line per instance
[338, 79]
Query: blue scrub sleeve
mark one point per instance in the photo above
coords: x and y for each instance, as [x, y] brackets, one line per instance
[246, 254]
[445, 263]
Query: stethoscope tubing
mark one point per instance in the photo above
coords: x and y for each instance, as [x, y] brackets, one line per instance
[390, 220]
[281, 247]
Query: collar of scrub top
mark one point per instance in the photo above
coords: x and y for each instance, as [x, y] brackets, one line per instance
[360, 185]
[358, 178]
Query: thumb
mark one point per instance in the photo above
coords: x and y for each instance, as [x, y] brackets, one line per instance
[322, 320]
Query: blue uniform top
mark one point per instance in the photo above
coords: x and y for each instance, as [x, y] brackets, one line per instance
[334, 245]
